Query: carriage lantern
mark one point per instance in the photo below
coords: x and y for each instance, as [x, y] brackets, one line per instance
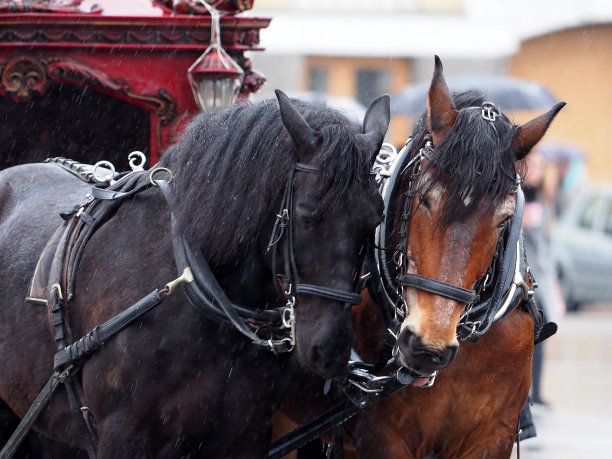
[214, 77]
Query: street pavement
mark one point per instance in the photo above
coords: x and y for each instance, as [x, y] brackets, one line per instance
[577, 384]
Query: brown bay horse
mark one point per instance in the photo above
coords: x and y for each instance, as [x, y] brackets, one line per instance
[472, 409]
[463, 320]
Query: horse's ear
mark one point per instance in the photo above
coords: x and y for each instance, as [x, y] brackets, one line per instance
[530, 133]
[442, 110]
[375, 124]
[303, 136]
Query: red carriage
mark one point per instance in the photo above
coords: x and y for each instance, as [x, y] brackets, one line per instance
[83, 65]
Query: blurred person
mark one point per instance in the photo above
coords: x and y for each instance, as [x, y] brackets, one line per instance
[567, 160]
[541, 188]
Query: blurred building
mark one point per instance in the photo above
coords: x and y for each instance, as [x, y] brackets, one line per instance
[362, 48]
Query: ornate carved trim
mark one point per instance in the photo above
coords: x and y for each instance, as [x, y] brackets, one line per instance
[239, 38]
[45, 6]
[24, 77]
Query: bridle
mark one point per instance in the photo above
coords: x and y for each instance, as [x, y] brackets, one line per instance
[417, 281]
[282, 234]
[394, 285]
[491, 299]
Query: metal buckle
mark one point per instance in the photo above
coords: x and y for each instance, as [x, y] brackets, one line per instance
[488, 111]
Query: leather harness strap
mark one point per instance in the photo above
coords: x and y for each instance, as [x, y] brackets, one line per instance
[39, 404]
[329, 293]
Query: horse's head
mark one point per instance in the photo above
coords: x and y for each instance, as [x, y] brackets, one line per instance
[335, 208]
[460, 201]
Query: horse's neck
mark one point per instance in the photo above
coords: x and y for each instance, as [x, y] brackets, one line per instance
[247, 281]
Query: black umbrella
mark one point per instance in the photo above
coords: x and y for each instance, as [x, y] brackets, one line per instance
[505, 92]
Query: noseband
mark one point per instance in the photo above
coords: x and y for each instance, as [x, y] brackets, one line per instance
[283, 226]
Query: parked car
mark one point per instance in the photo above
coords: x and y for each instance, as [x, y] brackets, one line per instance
[582, 247]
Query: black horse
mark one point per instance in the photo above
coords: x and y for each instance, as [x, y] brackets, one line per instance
[178, 383]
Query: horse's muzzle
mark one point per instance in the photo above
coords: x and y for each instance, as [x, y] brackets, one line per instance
[421, 359]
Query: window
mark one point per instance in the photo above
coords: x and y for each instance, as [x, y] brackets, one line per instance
[371, 84]
[319, 77]
[72, 121]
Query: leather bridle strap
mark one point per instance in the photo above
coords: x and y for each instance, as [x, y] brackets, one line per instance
[283, 227]
[329, 293]
[506, 272]
[440, 288]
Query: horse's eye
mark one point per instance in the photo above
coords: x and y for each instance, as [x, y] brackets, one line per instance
[504, 222]
[307, 217]
[308, 222]
[423, 200]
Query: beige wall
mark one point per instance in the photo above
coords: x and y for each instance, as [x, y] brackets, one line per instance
[576, 65]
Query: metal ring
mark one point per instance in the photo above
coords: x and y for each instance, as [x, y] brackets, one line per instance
[156, 171]
[287, 317]
[106, 178]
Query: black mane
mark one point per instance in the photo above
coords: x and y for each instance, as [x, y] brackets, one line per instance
[474, 159]
[231, 167]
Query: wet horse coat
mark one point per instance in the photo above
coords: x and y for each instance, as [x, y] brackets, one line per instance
[176, 383]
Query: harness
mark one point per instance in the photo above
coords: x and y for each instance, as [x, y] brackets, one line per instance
[58, 266]
[290, 278]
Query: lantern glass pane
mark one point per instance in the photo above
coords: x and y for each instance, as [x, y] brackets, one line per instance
[206, 94]
[224, 92]
[218, 92]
